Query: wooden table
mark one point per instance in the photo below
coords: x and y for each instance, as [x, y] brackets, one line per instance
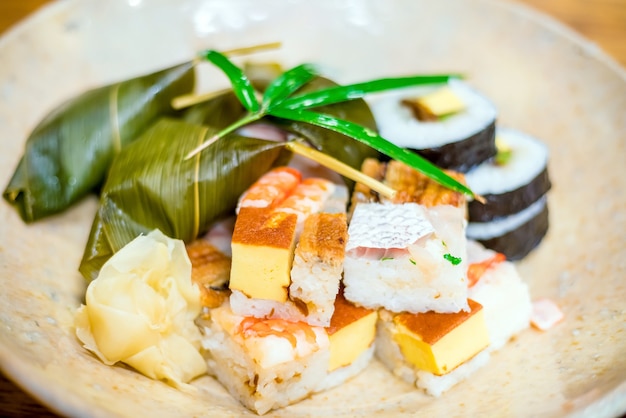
[602, 21]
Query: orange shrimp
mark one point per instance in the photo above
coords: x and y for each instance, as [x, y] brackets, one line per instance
[271, 189]
[262, 327]
[307, 198]
[476, 270]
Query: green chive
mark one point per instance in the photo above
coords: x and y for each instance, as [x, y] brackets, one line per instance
[452, 259]
[241, 84]
[287, 83]
[340, 94]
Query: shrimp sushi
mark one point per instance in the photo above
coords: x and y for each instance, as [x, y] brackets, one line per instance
[265, 363]
[288, 252]
[268, 363]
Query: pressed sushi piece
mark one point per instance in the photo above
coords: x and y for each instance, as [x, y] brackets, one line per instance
[405, 257]
[516, 178]
[505, 297]
[351, 331]
[262, 253]
[457, 140]
[433, 351]
[265, 363]
[409, 184]
[318, 266]
[515, 235]
[315, 275]
[407, 254]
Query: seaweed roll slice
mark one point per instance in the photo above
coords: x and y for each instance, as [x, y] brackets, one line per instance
[516, 178]
[452, 125]
[514, 218]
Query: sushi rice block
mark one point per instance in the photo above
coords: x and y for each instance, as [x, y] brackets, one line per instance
[407, 258]
[506, 311]
[267, 363]
[287, 250]
[315, 275]
[352, 333]
[433, 351]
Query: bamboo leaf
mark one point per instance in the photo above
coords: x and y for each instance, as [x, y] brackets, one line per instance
[372, 139]
[338, 94]
[69, 152]
[241, 84]
[150, 186]
[287, 83]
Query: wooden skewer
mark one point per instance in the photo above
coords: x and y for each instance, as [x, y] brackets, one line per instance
[341, 168]
[252, 49]
[186, 100]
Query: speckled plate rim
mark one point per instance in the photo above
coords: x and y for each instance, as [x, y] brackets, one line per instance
[31, 378]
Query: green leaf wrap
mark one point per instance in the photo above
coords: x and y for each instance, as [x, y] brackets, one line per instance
[68, 154]
[150, 185]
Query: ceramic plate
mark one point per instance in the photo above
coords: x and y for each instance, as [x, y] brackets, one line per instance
[544, 79]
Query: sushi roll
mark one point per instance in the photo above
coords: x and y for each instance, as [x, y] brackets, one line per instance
[514, 218]
[514, 235]
[406, 254]
[453, 126]
[512, 181]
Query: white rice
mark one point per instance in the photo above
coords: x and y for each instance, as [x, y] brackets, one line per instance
[316, 284]
[342, 374]
[398, 125]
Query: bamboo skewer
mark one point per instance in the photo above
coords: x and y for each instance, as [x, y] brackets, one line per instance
[341, 168]
[186, 100]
